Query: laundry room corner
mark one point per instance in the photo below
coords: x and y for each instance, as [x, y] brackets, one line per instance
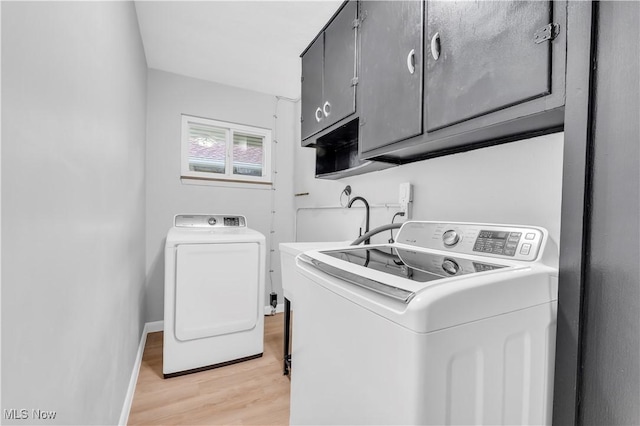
[170, 96]
[328, 212]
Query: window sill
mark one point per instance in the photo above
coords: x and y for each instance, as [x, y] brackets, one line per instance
[224, 183]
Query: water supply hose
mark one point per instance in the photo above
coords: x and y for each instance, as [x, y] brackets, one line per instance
[375, 231]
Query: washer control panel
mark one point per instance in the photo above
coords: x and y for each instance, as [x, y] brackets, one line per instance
[498, 242]
[514, 242]
[209, 221]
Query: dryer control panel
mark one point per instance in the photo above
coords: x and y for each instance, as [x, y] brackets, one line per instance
[209, 221]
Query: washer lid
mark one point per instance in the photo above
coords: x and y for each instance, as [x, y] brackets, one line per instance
[389, 261]
[420, 266]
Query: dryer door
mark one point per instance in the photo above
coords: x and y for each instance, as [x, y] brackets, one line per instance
[216, 289]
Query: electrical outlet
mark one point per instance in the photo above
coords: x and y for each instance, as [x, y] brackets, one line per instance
[405, 198]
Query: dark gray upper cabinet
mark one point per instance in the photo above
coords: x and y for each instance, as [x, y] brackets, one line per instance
[436, 77]
[312, 63]
[340, 65]
[391, 72]
[328, 73]
[494, 72]
[483, 57]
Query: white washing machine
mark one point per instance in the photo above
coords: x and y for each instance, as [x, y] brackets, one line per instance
[213, 293]
[452, 324]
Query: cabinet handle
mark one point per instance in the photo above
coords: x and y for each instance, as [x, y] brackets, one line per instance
[411, 61]
[435, 46]
[326, 108]
[318, 117]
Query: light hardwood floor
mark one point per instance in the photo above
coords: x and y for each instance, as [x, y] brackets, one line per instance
[249, 393]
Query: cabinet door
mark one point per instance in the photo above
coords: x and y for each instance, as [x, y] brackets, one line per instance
[312, 64]
[340, 66]
[487, 59]
[390, 72]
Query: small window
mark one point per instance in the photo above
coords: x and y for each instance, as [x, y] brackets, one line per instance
[217, 150]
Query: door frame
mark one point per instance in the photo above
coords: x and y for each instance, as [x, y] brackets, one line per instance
[575, 219]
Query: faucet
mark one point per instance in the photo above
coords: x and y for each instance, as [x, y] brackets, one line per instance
[366, 205]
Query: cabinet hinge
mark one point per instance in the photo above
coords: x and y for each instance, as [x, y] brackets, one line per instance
[358, 21]
[548, 32]
[354, 81]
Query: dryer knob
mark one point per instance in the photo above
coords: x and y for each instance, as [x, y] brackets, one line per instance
[450, 238]
[212, 221]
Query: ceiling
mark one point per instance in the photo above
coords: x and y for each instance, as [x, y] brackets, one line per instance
[254, 45]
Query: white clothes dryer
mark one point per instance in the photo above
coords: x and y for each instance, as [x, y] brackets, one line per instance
[214, 291]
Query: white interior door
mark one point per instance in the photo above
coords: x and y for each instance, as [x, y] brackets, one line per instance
[216, 289]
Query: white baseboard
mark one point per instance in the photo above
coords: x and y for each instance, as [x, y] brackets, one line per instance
[279, 309]
[149, 327]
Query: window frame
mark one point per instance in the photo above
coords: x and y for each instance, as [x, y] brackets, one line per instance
[230, 129]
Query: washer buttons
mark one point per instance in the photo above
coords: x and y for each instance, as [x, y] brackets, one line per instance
[530, 236]
[525, 249]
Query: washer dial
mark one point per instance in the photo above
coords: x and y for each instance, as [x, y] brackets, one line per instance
[450, 238]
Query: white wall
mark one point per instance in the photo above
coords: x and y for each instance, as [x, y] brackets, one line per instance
[169, 96]
[73, 131]
[514, 183]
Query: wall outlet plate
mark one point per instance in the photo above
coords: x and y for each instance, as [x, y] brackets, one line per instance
[406, 193]
[405, 197]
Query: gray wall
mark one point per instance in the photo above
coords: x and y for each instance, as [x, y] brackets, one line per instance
[73, 132]
[610, 346]
[169, 96]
